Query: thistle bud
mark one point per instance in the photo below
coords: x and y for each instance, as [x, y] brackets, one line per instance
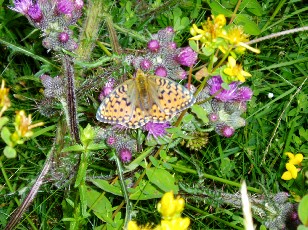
[153, 45]
[161, 71]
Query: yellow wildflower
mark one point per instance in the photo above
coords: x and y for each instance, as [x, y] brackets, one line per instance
[175, 224]
[132, 225]
[23, 124]
[211, 29]
[170, 207]
[5, 102]
[235, 71]
[295, 159]
[291, 173]
[171, 210]
[236, 36]
[219, 20]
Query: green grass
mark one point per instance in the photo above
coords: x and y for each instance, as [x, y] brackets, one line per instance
[89, 193]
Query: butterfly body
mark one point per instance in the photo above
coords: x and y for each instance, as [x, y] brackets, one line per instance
[145, 98]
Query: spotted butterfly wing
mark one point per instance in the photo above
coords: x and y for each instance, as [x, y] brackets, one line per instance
[119, 105]
[143, 99]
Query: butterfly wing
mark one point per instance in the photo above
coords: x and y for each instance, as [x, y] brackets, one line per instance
[118, 107]
[169, 98]
[134, 103]
[139, 118]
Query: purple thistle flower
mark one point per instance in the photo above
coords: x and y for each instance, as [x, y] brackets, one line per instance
[165, 35]
[213, 117]
[244, 94]
[172, 45]
[111, 140]
[72, 45]
[65, 7]
[35, 12]
[228, 95]
[156, 129]
[214, 84]
[169, 29]
[110, 83]
[106, 91]
[145, 64]
[108, 88]
[78, 4]
[22, 6]
[234, 93]
[63, 37]
[161, 71]
[125, 155]
[226, 131]
[186, 57]
[153, 45]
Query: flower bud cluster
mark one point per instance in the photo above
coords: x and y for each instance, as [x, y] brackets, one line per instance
[163, 58]
[107, 88]
[53, 18]
[197, 140]
[124, 145]
[225, 109]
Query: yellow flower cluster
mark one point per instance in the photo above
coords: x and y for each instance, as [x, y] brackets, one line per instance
[5, 102]
[211, 30]
[292, 171]
[231, 37]
[171, 209]
[235, 71]
[23, 127]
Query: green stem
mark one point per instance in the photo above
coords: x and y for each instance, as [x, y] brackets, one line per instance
[104, 48]
[210, 65]
[130, 33]
[128, 208]
[7, 181]
[211, 216]
[222, 60]
[138, 180]
[219, 148]
[215, 178]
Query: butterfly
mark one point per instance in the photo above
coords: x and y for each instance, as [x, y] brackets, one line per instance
[145, 98]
